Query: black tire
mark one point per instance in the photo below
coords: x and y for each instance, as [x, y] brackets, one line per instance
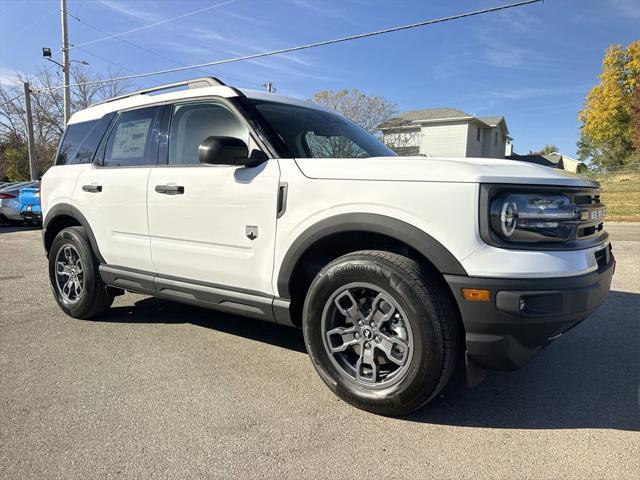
[432, 318]
[93, 299]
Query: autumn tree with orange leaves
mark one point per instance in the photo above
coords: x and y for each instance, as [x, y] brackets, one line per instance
[610, 132]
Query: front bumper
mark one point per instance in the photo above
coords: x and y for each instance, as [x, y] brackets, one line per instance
[523, 316]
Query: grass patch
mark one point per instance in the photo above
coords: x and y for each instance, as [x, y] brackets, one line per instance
[621, 195]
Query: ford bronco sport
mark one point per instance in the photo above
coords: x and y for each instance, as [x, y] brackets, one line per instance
[397, 269]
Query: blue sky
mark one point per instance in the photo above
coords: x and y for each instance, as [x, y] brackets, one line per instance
[534, 65]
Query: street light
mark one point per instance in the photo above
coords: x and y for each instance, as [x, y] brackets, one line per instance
[46, 54]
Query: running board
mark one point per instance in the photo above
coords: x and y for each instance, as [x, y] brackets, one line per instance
[200, 294]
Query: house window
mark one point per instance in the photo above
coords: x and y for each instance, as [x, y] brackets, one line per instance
[478, 134]
[495, 139]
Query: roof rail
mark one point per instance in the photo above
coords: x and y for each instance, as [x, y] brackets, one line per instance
[195, 83]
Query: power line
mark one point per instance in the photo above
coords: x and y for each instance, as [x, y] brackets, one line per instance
[120, 39]
[32, 24]
[141, 47]
[144, 27]
[15, 8]
[113, 63]
[314, 45]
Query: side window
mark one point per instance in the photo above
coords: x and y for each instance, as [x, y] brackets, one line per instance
[477, 134]
[81, 140]
[192, 123]
[134, 138]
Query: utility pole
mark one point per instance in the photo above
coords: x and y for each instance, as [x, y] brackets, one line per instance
[65, 61]
[33, 172]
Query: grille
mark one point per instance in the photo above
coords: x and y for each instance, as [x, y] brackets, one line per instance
[592, 214]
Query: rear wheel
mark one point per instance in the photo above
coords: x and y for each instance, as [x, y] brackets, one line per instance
[380, 332]
[73, 273]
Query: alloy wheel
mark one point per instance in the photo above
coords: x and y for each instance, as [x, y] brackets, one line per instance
[367, 335]
[69, 273]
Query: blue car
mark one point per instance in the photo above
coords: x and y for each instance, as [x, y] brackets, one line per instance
[30, 209]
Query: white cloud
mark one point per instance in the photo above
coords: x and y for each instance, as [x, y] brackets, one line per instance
[141, 10]
[522, 93]
[245, 18]
[505, 56]
[9, 77]
[326, 10]
[628, 8]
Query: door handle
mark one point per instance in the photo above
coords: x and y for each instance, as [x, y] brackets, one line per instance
[170, 189]
[93, 188]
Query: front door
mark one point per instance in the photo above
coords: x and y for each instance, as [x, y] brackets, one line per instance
[212, 224]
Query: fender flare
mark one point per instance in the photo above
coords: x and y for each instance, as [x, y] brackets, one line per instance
[404, 232]
[67, 210]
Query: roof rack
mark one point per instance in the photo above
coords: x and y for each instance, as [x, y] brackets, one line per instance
[195, 83]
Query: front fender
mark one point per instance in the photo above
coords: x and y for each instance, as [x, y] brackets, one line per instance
[404, 232]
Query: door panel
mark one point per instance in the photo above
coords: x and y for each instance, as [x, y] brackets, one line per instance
[117, 214]
[201, 234]
[201, 217]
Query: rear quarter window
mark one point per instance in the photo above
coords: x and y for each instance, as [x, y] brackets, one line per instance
[81, 140]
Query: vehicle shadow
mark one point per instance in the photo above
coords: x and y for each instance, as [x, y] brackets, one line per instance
[588, 379]
[11, 228]
[157, 310]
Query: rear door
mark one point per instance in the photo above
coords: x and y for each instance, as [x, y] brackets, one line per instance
[212, 224]
[112, 194]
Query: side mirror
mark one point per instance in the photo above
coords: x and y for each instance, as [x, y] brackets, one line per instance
[228, 151]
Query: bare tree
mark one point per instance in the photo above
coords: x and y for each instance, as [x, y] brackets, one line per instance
[403, 141]
[48, 115]
[367, 111]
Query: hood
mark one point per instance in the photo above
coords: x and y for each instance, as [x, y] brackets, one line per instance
[430, 169]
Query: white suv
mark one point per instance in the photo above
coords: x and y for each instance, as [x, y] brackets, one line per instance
[397, 269]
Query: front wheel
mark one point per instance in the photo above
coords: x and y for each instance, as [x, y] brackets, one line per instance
[381, 333]
[73, 273]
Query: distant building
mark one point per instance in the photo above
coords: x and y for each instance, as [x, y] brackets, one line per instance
[552, 160]
[447, 132]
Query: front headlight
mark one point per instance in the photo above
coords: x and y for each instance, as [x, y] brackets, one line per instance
[532, 217]
[537, 217]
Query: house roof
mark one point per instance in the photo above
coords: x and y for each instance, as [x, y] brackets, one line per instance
[439, 114]
[544, 160]
[428, 114]
[491, 121]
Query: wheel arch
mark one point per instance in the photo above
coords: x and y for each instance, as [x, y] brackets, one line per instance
[344, 233]
[64, 215]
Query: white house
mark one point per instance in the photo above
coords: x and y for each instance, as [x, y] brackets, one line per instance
[446, 132]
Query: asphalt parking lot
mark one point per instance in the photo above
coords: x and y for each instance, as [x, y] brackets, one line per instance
[160, 390]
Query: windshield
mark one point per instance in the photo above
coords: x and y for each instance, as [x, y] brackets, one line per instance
[304, 132]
